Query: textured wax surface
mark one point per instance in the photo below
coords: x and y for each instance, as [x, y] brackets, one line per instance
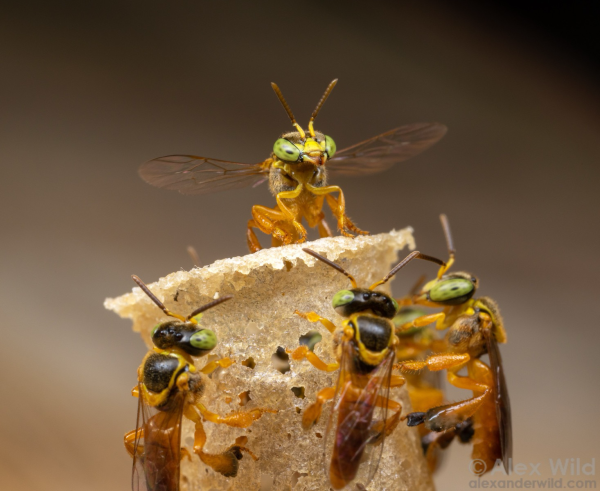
[267, 287]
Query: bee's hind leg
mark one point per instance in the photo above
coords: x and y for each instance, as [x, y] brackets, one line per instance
[268, 221]
[226, 462]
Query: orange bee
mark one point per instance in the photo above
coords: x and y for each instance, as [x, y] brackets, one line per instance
[297, 170]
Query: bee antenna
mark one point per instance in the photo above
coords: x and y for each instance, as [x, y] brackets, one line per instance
[448, 234]
[332, 264]
[404, 262]
[155, 299]
[209, 305]
[286, 106]
[319, 105]
[449, 244]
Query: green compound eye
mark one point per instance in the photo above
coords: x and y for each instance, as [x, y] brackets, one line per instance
[452, 289]
[395, 304]
[341, 298]
[204, 340]
[286, 150]
[154, 330]
[330, 146]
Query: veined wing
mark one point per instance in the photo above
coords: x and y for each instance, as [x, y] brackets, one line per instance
[190, 174]
[157, 454]
[381, 152]
[503, 413]
[356, 421]
[138, 476]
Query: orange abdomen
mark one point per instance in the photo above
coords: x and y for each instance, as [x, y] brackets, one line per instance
[162, 452]
[486, 440]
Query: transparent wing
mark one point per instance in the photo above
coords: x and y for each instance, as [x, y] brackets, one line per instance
[354, 435]
[138, 476]
[503, 413]
[381, 152]
[157, 450]
[189, 174]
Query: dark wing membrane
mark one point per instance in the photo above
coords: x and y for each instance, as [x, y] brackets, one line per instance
[355, 421]
[189, 174]
[381, 152]
[502, 400]
[156, 468]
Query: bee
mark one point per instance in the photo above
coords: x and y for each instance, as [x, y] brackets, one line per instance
[170, 387]
[475, 327]
[297, 171]
[364, 347]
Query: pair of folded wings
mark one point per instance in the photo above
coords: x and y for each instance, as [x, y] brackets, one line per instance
[190, 174]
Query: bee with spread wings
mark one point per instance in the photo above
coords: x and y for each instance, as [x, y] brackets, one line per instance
[365, 347]
[475, 327]
[297, 171]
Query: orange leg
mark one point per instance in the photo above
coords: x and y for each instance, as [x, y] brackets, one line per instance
[213, 365]
[238, 419]
[348, 224]
[226, 462]
[289, 215]
[129, 441]
[425, 320]
[385, 428]
[302, 352]
[435, 362]
[316, 218]
[445, 417]
[314, 317]
[338, 208]
[312, 413]
[324, 229]
[267, 220]
[397, 381]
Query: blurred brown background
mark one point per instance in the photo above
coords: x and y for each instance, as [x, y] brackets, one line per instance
[89, 91]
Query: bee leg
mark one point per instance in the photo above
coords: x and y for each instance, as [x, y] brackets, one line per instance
[213, 365]
[185, 454]
[314, 317]
[316, 218]
[265, 219]
[302, 352]
[251, 238]
[338, 208]
[129, 441]
[237, 419]
[312, 413]
[425, 320]
[385, 428]
[445, 417]
[348, 224]
[291, 216]
[226, 462]
[435, 362]
[434, 441]
[324, 229]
